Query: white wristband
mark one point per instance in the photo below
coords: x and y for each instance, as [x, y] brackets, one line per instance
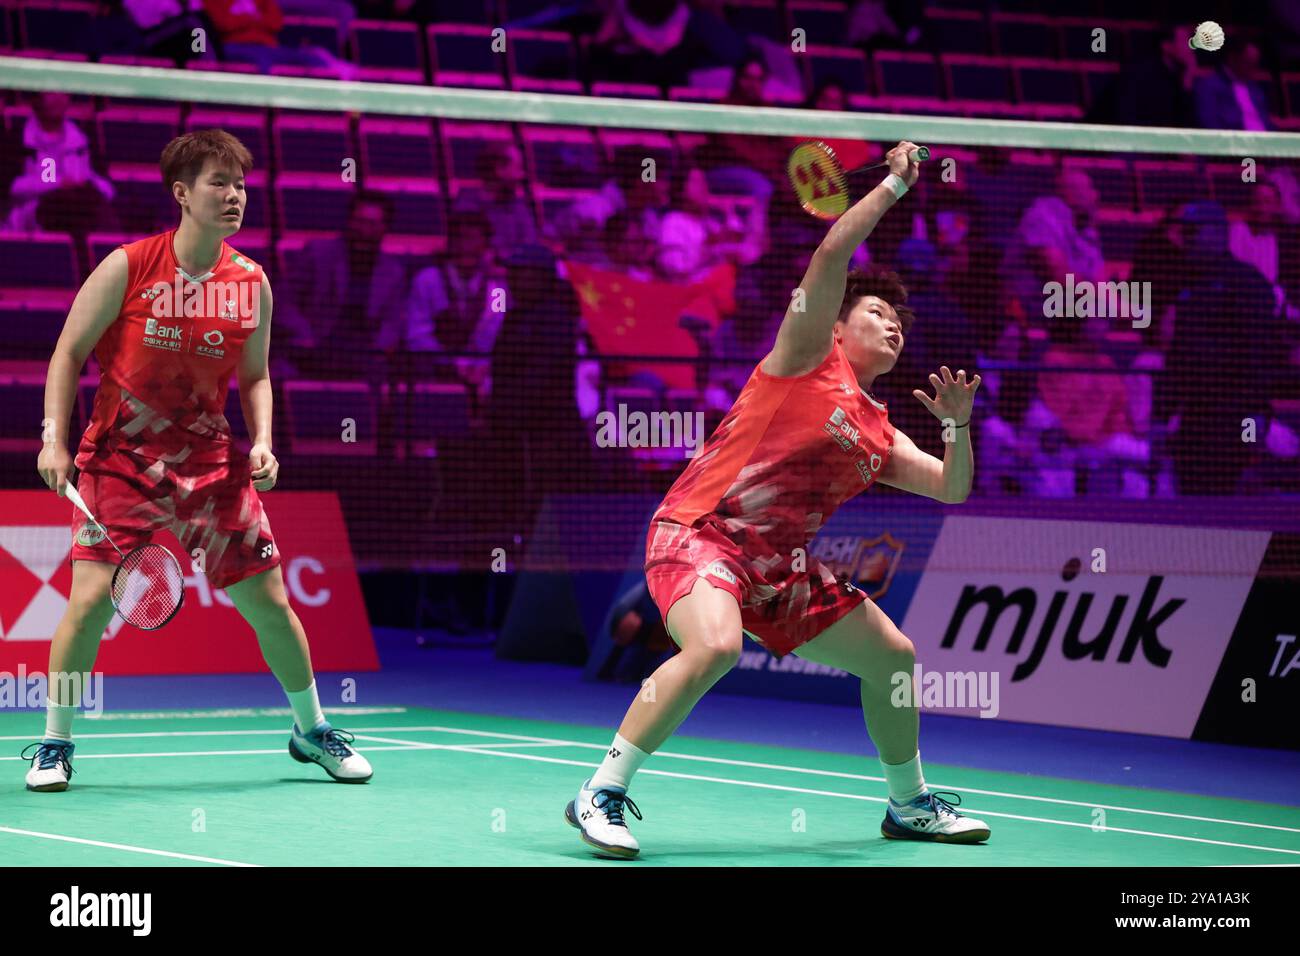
[895, 183]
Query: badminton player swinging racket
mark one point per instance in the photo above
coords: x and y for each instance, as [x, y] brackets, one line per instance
[170, 318]
[727, 551]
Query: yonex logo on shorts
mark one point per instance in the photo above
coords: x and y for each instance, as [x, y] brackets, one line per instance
[267, 550]
[717, 568]
[89, 535]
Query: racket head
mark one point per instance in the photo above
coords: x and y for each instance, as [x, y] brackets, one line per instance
[819, 180]
[148, 587]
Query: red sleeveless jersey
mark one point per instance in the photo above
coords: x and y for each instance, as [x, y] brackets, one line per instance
[787, 455]
[166, 361]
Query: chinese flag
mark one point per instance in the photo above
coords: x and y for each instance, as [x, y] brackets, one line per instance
[627, 316]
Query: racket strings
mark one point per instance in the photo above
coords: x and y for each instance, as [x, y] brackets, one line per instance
[148, 587]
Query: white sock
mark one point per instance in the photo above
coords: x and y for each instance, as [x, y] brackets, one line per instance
[622, 760]
[58, 720]
[904, 779]
[306, 708]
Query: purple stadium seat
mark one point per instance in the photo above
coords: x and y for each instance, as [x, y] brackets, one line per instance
[823, 23]
[1143, 38]
[316, 411]
[901, 104]
[1045, 81]
[756, 18]
[136, 136]
[248, 125]
[527, 84]
[1096, 78]
[462, 55]
[63, 25]
[1227, 185]
[316, 143]
[316, 31]
[313, 202]
[392, 49]
[462, 143]
[464, 11]
[844, 64]
[977, 77]
[959, 31]
[1162, 182]
[906, 74]
[23, 398]
[632, 91]
[542, 55]
[216, 66]
[561, 157]
[143, 204]
[398, 147]
[418, 206]
[1077, 40]
[154, 61]
[1031, 35]
[31, 331]
[685, 94]
[37, 262]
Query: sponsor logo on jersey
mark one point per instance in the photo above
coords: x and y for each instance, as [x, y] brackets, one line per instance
[842, 430]
[160, 336]
[89, 535]
[240, 261]
[869, 468]
[211, 349]
[717, 568]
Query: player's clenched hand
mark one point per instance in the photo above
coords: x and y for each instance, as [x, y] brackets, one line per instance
[53, 465]
[901, 165]
[953, 397]
[265, 467]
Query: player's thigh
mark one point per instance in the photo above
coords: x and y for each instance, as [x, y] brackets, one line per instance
[261, 599]
[89, 598]
[707, 620]
[864, 642]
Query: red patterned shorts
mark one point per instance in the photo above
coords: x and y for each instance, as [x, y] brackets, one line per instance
[780, 608]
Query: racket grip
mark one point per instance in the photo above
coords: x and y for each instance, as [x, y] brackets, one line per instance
[75, 497]
[918, 155]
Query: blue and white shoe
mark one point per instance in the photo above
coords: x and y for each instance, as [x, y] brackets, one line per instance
[931, 817]
[51, 765]
[330, 748]
[598, 815]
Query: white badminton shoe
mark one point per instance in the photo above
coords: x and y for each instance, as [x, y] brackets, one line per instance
[598, 815]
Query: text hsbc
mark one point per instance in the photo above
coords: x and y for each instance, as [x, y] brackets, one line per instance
[1142, 631]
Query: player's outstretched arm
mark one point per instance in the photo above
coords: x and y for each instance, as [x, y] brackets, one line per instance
[95, 308]
[255, 392]
[805, 335]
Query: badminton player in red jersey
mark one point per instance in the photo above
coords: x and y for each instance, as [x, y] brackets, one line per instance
[727, 548]
[170, 318]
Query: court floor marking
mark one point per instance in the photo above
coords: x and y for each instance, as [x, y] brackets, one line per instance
[759, 786]
[124, 846]
[363, 733]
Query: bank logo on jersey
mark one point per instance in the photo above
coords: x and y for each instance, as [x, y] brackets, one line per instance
[842, 430]
[212, 349]
[160, 335]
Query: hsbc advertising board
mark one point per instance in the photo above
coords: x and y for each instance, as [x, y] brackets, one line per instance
[1086, 624]
[207, 636]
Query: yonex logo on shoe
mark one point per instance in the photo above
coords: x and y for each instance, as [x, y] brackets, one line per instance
[75, 909]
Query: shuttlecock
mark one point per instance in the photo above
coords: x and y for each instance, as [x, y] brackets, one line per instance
[1208, 36]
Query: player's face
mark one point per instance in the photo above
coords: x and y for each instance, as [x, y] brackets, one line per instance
[871, 335]
[217, 198]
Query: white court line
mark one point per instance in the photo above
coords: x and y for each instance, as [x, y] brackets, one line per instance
[865, 777]
[857, 796]
[124, 846]
[344, 709]
[555, 741]
[225, 753]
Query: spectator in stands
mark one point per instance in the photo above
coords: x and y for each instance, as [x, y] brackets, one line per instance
[502, 198]
[885, 23]
[1256, 237]
[1056, 236]
[1152, 90]
[455, 305]
[58, 189]
[1158, 259]
[342, 293]
[661, 42]
[645, 177]
[1230, 97]
[698, 233]
[1089, 414]
[628, 249]
[163, 28]
[249, 32]
[1227, 359]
